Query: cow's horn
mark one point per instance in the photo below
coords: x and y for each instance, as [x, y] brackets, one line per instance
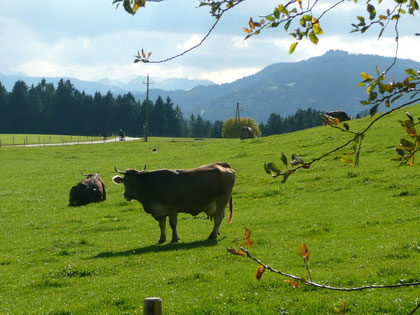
[119, 172]
[83, 173]
[144, 169]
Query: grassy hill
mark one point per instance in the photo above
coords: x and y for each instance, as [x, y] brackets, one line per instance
[360, 224]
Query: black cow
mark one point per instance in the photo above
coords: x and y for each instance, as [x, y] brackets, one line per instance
[164, 193]
[91, 189]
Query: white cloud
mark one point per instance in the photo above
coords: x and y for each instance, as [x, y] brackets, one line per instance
[193, 40]
[93, 47]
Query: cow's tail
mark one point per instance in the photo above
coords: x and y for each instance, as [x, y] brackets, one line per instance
[230, 210]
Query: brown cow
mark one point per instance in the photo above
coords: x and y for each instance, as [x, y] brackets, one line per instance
[164, 193]
[91, 189]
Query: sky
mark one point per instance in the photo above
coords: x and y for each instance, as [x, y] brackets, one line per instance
[91, 40]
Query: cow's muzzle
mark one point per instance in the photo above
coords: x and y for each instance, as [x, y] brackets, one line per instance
[127, 197]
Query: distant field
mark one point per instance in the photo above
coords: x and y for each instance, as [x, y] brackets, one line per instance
[361, 226]
[25, 139]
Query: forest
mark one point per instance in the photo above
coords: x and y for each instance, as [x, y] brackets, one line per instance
[46, 109]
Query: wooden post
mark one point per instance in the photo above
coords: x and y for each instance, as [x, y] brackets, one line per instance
[153, 306]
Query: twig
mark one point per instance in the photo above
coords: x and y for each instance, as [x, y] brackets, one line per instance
[317, 285]
[218, 17]
[305, 165]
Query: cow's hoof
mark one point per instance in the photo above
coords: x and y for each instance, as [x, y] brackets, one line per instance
[212, 237]
[162, 241]
[175, 240]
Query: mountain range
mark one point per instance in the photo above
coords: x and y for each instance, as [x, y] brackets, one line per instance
[327, 82]
[136, 85]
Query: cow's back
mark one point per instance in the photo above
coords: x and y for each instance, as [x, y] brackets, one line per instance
[198, 187]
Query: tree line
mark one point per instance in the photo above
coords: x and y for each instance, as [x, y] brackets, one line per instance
[46, 109]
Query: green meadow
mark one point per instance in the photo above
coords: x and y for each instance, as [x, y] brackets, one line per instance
[361, 226]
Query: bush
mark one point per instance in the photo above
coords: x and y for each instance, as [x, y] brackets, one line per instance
[232, 128]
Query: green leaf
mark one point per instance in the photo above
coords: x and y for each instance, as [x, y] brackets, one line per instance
[373, 110]
[286, 26]
[304, 19]
[317, 29]
[127, 7]
[362, 21]
[411, 72]
[276, 13]
[372, 11]
[366, 76]
[292, 48]
[314, 39]
[284, 159]
[271, 168]
[346, 159]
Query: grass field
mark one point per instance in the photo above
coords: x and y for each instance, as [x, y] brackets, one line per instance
[361, 226]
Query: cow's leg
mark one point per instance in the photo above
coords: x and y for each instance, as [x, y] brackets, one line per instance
[162, 225]
[173, 220]
[219, 215]
[218, 218]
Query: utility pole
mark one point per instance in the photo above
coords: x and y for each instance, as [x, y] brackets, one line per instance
[238, 117]
[146, 124]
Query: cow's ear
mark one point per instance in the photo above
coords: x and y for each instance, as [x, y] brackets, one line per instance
[117, 179]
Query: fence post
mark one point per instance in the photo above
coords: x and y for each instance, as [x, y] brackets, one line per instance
[153, 306]
[13, 140]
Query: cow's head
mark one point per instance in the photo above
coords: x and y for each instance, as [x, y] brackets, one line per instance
[130, 181]
[88, 175]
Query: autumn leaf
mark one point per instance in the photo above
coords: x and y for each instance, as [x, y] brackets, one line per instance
[251, 24]
[247, 239]
[247, 30]
[259, 272]
[292, 284]
[346, 125]
[304, 252]
[138, 4]
[233, 251]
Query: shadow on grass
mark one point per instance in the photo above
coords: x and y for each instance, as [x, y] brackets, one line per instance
[158, 248]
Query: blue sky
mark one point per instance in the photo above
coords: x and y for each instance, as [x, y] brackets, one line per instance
[91, 40]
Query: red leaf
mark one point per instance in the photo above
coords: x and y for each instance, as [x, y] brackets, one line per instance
[304, 251]
[259, 272]
[235, 252]
[292, 284]
[247, 239]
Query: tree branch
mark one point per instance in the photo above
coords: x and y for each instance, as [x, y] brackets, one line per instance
[218, 17]
[322, 286]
